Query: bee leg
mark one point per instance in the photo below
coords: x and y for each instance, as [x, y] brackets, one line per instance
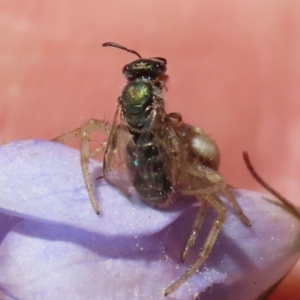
[195, 229]
[209, 242]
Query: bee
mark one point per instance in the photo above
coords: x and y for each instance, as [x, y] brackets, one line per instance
[158, 154]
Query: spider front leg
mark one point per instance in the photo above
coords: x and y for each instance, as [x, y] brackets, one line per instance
[84, 133]
[210, 241]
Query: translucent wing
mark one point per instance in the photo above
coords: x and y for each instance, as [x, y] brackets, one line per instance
[152, 170]
[115, 167]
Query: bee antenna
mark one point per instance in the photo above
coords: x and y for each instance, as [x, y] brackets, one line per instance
[112, 44]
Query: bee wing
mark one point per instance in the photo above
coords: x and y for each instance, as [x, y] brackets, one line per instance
[151, 155]
[115, 168]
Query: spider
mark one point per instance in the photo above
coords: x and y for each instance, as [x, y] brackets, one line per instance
[158, 154]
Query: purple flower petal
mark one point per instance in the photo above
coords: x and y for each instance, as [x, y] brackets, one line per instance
[57, 248]
[43, 181]
[6, 224]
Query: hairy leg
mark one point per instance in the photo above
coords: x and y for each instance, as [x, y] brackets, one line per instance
[217, 204]
[84, 133]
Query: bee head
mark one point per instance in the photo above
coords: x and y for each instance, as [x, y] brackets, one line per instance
[149, 68]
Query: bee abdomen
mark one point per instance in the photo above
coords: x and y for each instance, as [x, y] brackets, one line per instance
[148, 173]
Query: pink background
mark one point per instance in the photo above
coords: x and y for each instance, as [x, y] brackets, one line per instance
[234, 71]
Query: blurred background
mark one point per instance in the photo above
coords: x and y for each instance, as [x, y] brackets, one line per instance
[234, 71]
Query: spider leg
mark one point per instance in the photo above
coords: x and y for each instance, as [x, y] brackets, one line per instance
[67, 137]
[195, 229]
[84, 133]
[85, 154]
[230, 197]
[216, 203]
[219, 187]
[99, 150]
[211, 189]
[101, 126]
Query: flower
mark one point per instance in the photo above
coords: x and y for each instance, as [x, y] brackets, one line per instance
[54, 246]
